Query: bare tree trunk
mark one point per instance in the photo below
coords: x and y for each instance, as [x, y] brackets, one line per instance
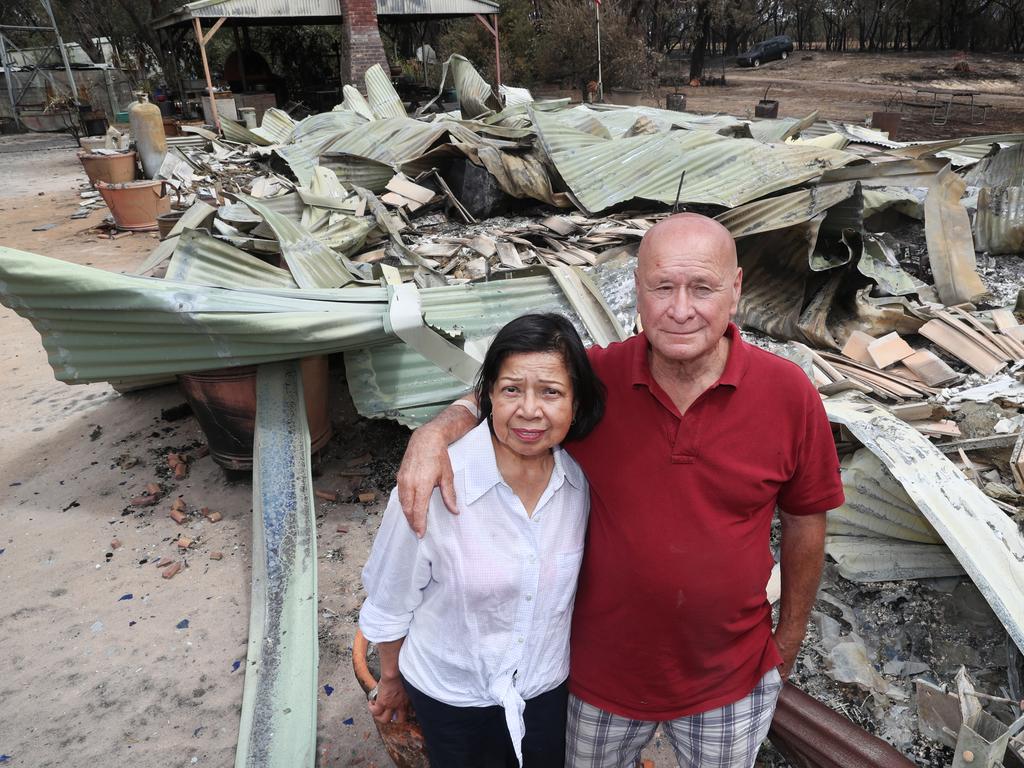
[703, 27]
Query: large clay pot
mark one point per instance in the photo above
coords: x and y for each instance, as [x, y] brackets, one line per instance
[402, 741]
[135, 204]
[224, 403]
[112, 169]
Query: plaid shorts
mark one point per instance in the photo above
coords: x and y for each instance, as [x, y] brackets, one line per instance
[727, 737]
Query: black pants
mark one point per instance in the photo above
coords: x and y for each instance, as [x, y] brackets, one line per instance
[477, 737]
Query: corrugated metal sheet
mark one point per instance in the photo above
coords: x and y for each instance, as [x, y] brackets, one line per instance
[784, 210]
[359, 171]
[616, 121]
[278, 719]
[168, 327]
[238, 133]
[261, 9]
[781, 128]
[999, 222]
[276, 127]
[206, 260]
[390, 141]
[312, 264]
[865, 560]
[986, 542]
[312, 136]
[435, 7]
[1003, 169]
[969, 146]
[719, 170]
[381, 94]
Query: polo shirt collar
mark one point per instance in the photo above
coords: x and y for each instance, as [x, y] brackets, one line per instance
[482, 474]
[735, 365]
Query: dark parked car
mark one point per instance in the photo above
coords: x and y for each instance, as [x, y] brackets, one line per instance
[768, 50]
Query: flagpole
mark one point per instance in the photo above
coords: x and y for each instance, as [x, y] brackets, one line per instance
[600, 81]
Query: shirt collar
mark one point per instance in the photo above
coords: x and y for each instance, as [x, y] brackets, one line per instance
[482, 473]
[735, 365]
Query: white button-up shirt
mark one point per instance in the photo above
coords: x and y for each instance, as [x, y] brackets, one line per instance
[484, 600]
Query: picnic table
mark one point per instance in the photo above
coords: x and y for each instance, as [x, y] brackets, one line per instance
[942, 100]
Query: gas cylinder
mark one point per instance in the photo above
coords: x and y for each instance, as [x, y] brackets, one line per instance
[147, 125]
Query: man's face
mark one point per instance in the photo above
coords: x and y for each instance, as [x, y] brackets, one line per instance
[688, 288]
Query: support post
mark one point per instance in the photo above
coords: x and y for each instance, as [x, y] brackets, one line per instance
[493, 29]
[10, 80]
[206, 71]
[600, 79]
[63, 51]
[241, 58]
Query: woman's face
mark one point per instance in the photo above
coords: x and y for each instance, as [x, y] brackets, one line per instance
[532, 402]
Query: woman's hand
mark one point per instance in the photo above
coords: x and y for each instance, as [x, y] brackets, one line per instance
[391, 702]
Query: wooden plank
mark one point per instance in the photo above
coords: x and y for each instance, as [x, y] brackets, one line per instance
[1005, 343]
[940, 428]
[989, 443]
[508, 255]
[560, 224]
[400, 184]
[484, 245]
[930, 368]
[965, 329]
[888, 349]
[1017, 462]
[961, 347]
[1003, 319]
[856, 347]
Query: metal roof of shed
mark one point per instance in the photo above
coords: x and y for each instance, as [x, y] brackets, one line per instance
[316, 11]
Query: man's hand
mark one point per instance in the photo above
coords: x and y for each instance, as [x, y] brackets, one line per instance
[391, 703]
[803, 554]
[788, 643]
[426, 465]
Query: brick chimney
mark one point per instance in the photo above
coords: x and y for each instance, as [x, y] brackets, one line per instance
[362, 44]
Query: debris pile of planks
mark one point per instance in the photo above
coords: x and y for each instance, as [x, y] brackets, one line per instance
[405, 242]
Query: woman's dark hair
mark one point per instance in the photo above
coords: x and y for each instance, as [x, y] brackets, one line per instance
[546, 333]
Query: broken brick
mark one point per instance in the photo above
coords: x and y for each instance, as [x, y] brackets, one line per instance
[178, 516]
[215, 517]
[368, 497]
[326, 495]
[342, 529]
[178, 503]
[180, 471]
[173, 459]
[153, 489]
[216, 555]
[115, 544]
[202, 450]
[171, 570]
[184, 542]
[163, 562]
[147, 500]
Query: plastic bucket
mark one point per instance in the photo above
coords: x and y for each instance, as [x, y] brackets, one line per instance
[111, 169]
[135, 204]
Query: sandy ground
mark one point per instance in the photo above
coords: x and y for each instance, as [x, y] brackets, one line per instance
[97, 662]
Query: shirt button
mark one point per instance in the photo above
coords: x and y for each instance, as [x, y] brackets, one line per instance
[529, 598]
[520, 641]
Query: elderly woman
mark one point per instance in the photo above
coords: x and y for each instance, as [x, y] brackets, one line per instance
[474, 618]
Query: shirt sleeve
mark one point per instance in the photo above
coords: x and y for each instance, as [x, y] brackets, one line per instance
[394, 577]
[816, 485]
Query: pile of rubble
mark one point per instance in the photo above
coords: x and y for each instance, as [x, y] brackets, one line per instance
[406, 242]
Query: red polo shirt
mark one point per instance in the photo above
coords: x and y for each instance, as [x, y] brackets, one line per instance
[671, 617]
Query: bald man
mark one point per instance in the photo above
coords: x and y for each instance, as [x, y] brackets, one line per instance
[703, 437]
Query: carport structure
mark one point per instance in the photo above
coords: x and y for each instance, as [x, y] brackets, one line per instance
[359, 20]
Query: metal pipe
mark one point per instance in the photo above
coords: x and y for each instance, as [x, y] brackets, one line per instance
[811, 735]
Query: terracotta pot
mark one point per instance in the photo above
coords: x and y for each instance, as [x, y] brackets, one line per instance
[402, 741]
[165, 222]
[224, 403]
[136, 204]
[112, 169]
